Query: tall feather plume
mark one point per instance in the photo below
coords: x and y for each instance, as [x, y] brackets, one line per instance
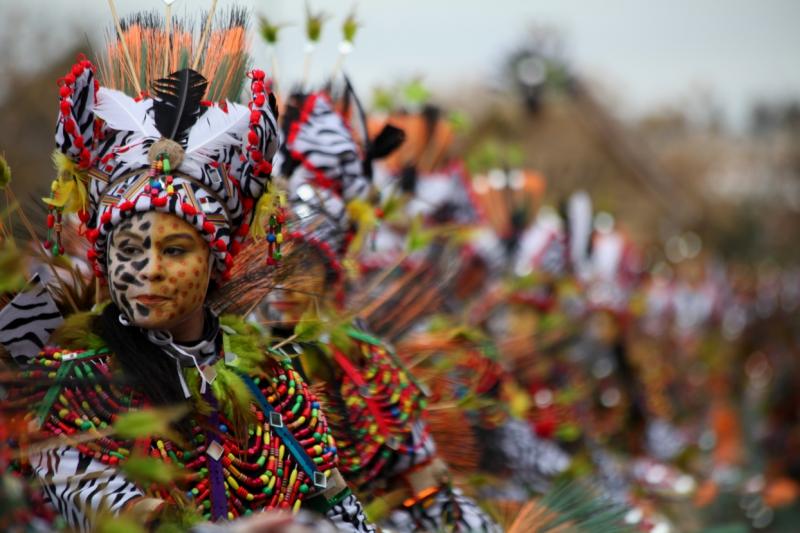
[177, 103]
[221, 57]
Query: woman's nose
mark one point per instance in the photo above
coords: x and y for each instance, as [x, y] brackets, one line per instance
[151, 269]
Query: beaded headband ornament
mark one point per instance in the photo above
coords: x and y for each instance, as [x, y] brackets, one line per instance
[170, 148]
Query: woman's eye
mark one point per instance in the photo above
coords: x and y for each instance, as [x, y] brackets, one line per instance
[173, 251]
[130, 250]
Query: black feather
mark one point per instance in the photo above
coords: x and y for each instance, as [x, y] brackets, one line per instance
[177, 103]
[387, 141]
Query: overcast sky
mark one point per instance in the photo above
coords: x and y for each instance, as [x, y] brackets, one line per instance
[648, 52]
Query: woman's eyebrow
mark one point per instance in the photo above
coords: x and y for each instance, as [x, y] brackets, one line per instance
[129, 235]
[175, 236]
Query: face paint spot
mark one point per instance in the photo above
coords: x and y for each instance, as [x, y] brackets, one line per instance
[139, 265]
[182, 274]
[145, 225]
[142, 309]
[173, 279]
[127, 277]
[196, 272]
[147, 242]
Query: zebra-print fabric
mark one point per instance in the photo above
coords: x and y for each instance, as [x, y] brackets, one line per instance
[348, 516]
[446, 510]
[27, 321]
[79, 487]
[529, 461]
[320, 149]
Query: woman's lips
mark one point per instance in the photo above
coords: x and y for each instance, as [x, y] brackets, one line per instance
[151, 299]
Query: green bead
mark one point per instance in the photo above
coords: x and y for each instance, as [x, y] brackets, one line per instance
[195, 491]
[267, 490]
[207, 504]
[261, 461]
[166, 166]
[87, 425]
[317, 436]
[280, 472]
[304, 488]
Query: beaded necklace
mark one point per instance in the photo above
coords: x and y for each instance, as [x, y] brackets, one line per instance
[262, 471]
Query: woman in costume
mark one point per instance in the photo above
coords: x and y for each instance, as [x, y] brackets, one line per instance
[172, 181]
[385, 447]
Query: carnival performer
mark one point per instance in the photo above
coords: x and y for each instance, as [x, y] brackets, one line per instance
[166, 184]
[384, 444]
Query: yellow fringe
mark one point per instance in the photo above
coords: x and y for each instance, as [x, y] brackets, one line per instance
[267, 205]
[69, 187]
[363, 214]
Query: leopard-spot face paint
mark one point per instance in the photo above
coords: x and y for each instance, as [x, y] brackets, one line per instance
[158, 269]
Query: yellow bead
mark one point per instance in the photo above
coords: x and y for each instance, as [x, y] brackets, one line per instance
[279, 238]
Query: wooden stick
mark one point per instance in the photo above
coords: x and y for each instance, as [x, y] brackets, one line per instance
[125, 50]
[204, 37]
[168, 17]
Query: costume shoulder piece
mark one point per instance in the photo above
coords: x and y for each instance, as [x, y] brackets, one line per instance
[378, 402]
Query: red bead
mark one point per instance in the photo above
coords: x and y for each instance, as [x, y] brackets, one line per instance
[51, 220]
[257, 74]
[92, 235]
[226, 276]
[188, 209]
[79, 141]
[255, 116]
[220, 245]
[159, 201]
[243, 229]
[256, 156]
[259, 100]
[69, 126]
[125, 205]
[77, 69]
[264, 167]
[209, 227]
[247, 203]
[105, 218]
[91, 254]
[69, 79]
[65, 91]
[252, 137]
[235, 248]
[47, 244]
[66, 107]
[229, 261]
[258, 86]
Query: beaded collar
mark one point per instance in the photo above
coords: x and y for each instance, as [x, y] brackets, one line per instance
[261, 465]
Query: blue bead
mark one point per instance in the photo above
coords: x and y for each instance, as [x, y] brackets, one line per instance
[271, 237]
[223, 428]
[315, 405]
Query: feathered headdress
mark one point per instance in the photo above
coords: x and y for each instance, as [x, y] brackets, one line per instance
[163, 134]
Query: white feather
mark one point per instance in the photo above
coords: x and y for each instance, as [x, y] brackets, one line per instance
[123, 113]
[216, 130]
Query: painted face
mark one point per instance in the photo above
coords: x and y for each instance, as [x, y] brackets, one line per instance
[295, 294]
[158, 270]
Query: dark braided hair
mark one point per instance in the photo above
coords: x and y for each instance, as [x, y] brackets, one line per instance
[144, 365]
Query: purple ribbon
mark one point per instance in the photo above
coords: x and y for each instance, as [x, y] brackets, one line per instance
[219, 502]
